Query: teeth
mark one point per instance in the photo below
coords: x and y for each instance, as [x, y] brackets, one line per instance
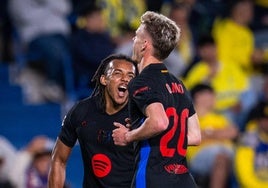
[122, 88]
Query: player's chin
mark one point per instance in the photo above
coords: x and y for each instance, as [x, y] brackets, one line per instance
[121, 100]
[135, 57]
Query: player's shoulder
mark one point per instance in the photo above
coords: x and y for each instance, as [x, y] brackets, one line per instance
[83, 102]
[84, 105]
[139, 83]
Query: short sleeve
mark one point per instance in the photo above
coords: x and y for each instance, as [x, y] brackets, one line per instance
[143, 94]
[68, 134]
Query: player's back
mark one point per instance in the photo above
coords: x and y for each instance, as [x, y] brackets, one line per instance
[163, 157]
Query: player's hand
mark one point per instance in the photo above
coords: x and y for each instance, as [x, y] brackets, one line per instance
[119, 134]
[128, 122]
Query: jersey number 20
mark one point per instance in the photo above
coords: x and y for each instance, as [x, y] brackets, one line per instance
[164, 149]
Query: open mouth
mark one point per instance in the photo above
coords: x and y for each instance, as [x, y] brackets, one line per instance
[122, 89]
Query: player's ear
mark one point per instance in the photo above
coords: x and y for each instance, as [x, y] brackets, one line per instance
[144, 46]
[103, 80]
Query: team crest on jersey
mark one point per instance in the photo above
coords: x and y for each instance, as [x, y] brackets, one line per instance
[104, 136]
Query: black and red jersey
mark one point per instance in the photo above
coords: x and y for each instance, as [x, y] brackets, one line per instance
[105, 164]
[162, 159]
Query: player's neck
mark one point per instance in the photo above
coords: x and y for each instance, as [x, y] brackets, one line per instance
[112, 108]
[147, 61]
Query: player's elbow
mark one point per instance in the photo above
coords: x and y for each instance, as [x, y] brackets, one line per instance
[194, 132]
[197, 140]
[162, 124]
[194, 139]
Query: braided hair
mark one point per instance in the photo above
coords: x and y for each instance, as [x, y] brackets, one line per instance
[102, 70]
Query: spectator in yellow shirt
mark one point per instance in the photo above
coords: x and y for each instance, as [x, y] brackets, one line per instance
[213, 158]
[233, 94]
[251, 158]
[233, 36]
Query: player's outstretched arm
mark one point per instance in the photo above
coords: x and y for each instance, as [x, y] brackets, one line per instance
[57, 172]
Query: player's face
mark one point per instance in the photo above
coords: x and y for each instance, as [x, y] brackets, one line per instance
[119, 74]
[138, 45]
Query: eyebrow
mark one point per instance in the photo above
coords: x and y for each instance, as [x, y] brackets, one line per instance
[118, 69]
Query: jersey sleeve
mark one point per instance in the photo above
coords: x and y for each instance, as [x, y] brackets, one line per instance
[191, 110]
[143, 94]
[189, 98]
[68, 134]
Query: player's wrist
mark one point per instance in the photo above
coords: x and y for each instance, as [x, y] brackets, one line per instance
[127, 137]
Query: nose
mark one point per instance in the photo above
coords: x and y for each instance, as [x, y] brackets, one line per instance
[125, 78]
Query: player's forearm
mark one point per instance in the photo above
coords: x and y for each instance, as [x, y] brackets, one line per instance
[156, 122]
[56, 177]
[148, 129]
[194, 132]
[193, 140]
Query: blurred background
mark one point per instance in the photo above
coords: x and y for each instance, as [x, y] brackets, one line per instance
[49, 51]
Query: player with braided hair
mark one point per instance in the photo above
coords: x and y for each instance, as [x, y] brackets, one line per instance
[102, 69]
[90, 121]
